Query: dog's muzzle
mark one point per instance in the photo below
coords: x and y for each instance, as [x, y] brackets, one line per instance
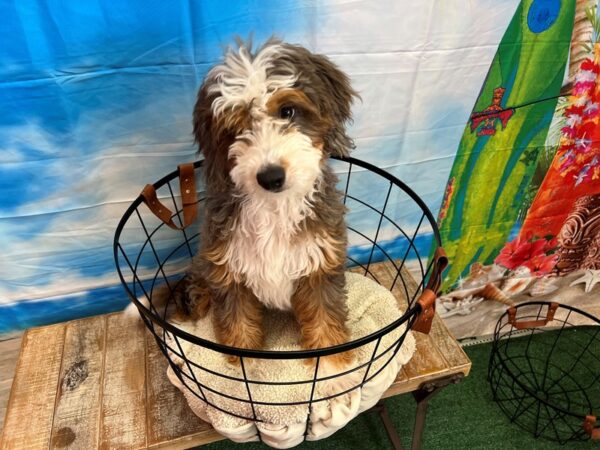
[271, 178]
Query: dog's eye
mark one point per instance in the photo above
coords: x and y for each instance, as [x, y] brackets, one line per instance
[287, 112]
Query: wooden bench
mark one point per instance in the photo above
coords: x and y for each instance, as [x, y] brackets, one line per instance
[100, 383]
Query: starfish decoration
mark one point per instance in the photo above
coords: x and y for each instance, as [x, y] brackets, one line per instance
[590, 278]
[462, 307]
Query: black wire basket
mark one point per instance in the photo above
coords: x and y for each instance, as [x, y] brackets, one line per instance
[149, 254]
[545, 370]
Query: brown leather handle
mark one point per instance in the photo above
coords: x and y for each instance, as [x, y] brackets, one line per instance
[512, 318]
[422, 323]
[440, 262]
[187, 186]
[589, 425]
[427, 298]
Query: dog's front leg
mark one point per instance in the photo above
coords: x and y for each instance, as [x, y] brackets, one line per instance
[238, 318]
[319, 304]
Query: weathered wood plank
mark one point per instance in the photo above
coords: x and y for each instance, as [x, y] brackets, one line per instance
[169, 416]
[186, 440]
[123, 410]
[31, 404]
[77, 410]
[449, 347]
[426, 364]
[9, 355]
[427, 359]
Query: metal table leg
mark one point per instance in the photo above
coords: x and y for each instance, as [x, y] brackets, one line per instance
[390, 429]
[421, 396]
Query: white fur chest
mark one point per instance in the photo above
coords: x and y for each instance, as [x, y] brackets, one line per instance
[263, 253]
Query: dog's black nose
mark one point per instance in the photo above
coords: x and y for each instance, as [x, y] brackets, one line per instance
[271, 178]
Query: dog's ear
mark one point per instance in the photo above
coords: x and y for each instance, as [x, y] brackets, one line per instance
[202, 119]
[337, 97]
[211, 137]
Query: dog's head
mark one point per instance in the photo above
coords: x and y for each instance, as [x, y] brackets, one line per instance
[266, 120]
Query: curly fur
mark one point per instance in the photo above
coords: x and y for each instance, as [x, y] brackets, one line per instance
[263, 249]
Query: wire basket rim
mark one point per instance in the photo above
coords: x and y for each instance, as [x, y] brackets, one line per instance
[407, 316]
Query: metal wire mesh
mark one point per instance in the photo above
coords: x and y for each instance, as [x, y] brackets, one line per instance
[544, 369]
[149, 254]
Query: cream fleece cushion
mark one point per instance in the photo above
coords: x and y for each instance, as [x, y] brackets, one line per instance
[371, 307]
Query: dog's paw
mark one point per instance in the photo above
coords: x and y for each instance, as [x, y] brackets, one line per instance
[199, 300]
[236, 361]
[233, 360]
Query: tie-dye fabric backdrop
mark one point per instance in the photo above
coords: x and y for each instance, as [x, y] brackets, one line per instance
[96, 101]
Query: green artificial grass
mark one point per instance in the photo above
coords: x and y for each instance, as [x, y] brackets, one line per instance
[461, 417]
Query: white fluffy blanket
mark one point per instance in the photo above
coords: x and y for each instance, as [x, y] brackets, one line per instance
[283, 426]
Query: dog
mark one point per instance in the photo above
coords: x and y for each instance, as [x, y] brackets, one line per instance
[273, 234]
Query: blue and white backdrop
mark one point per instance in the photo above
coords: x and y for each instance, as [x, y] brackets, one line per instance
[96, 100]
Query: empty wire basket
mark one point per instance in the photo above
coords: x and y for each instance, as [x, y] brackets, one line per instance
[545, 370]
[386, 221]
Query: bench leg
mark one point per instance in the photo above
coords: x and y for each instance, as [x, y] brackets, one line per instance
[390, 429]
[422, 396]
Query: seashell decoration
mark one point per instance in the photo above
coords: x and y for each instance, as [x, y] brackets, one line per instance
[490, 283]
[543, 286]
[518, 282]
[492, 292]
[480, 275]
[488, 291]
